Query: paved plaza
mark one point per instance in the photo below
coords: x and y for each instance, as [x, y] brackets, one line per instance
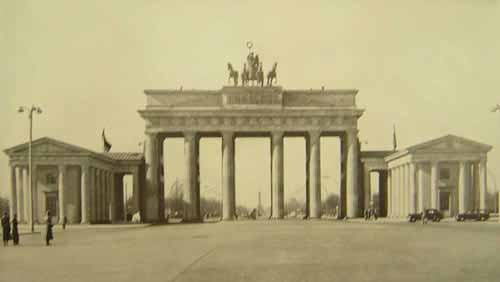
[260, 251]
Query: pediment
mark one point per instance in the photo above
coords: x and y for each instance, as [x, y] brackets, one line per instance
[450, 143]
[46, 146]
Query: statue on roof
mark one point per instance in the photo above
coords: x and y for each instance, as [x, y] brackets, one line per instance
[233, 74]
[272, 75]
[252, 68]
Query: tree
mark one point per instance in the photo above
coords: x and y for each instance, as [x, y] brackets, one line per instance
[293, 205]
[211, 206]
[174, 201]
[242, 211]
[330, 203]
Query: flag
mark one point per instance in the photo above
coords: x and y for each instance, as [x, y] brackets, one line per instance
[394, 140]
[105, 144]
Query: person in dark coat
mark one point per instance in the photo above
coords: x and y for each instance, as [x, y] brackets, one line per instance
[48, 230]
[6, 228]
[15, 231]
[65, 221]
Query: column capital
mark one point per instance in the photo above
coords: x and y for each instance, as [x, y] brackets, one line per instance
[352, 131]
[152, 134]
[314, 134]
[277, 135]
[227, 134]
[189, 135]
[61, 167]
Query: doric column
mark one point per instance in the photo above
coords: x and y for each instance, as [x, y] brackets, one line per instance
[394, 188]
[13, 192]
[191, 192]
[475, 186]
[20, 193]
[136, 195]
[112, 198]
[462, 183]
[406, 183]
[482, 184]
[434, 185]
[228, 185]
[26, 194]
[421, 187]
[84, 194]
[401, 193]
[413, 195]
[151, 206]
[352, 173]
[93, 195]
[389, 193]
[60, 190]
[367, 187]
[314, 175]
[102, 195]
[98, 196]
[278, 198]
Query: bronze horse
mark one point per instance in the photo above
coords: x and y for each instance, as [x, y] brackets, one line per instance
[271, 75]
[233, 74]
[245, 75]
[260, 76]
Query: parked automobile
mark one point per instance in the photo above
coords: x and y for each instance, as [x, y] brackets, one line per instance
[477, 214]
[430, 214]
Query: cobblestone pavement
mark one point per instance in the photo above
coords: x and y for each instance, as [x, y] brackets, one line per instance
[260, 251]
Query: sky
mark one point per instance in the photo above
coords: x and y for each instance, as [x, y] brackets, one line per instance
[429, 67]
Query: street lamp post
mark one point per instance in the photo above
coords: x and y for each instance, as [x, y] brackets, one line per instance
[30, 111]
[495, 109]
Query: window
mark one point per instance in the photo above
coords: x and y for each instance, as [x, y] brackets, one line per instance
[50, 179]
[444, 174]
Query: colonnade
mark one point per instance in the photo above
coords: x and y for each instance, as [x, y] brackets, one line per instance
[414, 186]
[154, 182]
[100, 195]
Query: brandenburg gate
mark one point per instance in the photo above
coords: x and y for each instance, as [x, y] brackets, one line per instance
[237, 111]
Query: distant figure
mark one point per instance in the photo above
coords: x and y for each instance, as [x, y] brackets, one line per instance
[337, 211]
[65, 221]
[367, 214]
[424, 220]
[6, 228]
[253, 214]
[48, 229]
[136, 218]
[15, 231]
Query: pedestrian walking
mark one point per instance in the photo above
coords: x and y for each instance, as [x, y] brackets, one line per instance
[15, 230]
[424, 219]
[48, 229]
[6, 228]
[65, 221]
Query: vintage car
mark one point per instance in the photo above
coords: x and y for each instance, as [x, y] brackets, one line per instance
[430, 214]
[477, 214]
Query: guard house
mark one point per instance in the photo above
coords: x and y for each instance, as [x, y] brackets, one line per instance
[447, 173]
[70, 181]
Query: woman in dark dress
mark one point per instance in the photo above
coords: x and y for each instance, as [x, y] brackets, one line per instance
[6, 228]
[15, 231]
[48, 231]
